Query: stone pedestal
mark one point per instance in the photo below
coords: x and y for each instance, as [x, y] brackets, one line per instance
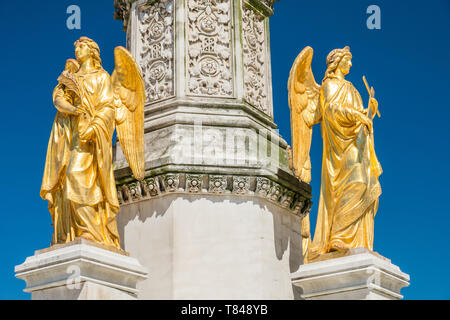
[81, 270]
[206, 246]
[358, 275]
[218, 213]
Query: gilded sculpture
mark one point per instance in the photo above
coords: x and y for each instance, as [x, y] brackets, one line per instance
[350, 188]
[78, 180]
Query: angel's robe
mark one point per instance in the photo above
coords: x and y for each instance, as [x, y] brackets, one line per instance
[350, 170]
[78, 178]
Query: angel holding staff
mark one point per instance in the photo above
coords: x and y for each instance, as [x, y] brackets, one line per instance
[349, 188]
[78, 179]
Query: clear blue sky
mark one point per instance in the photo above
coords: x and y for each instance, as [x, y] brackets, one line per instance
[407, 62]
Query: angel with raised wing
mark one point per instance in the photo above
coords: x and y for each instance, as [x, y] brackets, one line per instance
[78, 177]
[349, 188]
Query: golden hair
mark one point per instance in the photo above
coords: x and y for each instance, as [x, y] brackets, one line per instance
[333, 60]
[94, 48]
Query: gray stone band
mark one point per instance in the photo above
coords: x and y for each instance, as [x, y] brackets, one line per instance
[214, 184]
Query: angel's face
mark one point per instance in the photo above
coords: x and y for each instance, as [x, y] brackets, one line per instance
[345, 64]
[82, 52]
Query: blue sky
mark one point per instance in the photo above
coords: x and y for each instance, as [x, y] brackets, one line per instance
[407, 62]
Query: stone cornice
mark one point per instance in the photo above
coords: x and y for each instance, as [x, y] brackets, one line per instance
[123, 8]
[123, 11]
[264, 7]
[214, 184]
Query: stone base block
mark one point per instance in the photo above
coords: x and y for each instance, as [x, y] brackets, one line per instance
[358, 275]
[212, 247]
[81, 270]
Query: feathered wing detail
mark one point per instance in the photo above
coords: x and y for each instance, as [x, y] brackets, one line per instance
[304, 105]
[129, 90]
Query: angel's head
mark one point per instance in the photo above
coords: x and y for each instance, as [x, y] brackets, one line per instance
[86, 48]
[339, 60]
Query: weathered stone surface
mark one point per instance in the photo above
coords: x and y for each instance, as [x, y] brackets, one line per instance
[358, 274]
[81, 270]
[212, 246]
[294, 202]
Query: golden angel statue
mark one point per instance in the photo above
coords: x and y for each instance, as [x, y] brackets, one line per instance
[78, 177]
[349, 188]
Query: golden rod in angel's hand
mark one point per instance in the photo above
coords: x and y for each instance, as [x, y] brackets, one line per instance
[371, 92]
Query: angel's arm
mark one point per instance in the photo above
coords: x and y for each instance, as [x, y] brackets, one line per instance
[341, 112]
[105, 115]
[62, 101]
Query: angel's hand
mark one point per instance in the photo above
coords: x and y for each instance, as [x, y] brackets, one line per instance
[78, 110]
[373, 106]
[366, 121]
[88, 134]
[65, 106]
[75, 110]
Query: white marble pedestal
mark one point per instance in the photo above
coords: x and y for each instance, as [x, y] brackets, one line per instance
[358, 275]
[81, 270]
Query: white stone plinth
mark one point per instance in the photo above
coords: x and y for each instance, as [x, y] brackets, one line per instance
[359, 275]
[212, 247]
[81, 270]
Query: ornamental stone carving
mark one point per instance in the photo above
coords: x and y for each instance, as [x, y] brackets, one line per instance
[194, 183]
[259, 187]
[262, 186]
[135, 190]
[123, 8]
[217, 184]
[156, 28]
[276, 191]
[125, 192]
[171, 182]
[120, 196]
[241, 185]
[255, 60]
[287, 198]
[151, 187]
[209, 48]
[123, 11]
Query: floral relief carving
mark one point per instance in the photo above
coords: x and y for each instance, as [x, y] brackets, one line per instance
[171, 182]
[156, 28]
[261, 187]
[217, 184]
[151, 187]
[209, 48]
[241, 185]
[194, 183]
[255, 60]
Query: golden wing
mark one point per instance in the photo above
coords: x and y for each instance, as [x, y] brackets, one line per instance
[129, 88]
[303, 103]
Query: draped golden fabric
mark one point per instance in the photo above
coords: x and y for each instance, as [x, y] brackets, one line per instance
[78, 178]
[350, 170]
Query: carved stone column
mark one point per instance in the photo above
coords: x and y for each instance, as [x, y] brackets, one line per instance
[218, 215]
